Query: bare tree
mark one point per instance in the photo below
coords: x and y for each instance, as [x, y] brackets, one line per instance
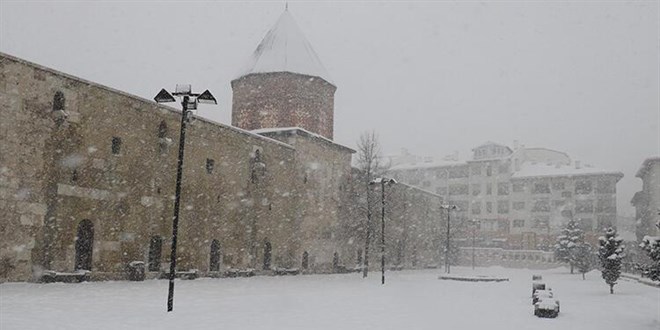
[370, 166]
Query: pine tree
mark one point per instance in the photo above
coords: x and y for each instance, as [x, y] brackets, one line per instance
[584, 258]
[568, 243]
[610, 254]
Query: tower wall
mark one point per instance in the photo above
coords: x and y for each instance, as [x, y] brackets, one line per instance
[283, 99]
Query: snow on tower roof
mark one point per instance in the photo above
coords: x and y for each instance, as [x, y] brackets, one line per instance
[285, 49]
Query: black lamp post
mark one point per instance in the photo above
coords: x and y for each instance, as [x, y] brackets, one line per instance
[383, 182]
[475, 223]
[447, 207]
[189, 103]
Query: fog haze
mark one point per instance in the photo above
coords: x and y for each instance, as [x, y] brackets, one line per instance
[430, 77]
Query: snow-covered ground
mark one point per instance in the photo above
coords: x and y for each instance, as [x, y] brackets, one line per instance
[409, 300]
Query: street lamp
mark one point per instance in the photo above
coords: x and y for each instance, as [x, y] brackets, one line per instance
[189, 102]
[474, 223]
[383, 182]
[447, 207]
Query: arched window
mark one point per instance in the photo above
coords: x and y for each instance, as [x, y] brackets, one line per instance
[58, 101]
[155, 253]
[305, 260]
[84, 245]
[214, 262]
[163, 140]
[268, 250]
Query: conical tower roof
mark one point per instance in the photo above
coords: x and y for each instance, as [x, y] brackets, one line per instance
[285, 49]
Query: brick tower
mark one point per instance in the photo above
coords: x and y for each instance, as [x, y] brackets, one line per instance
[284, 84]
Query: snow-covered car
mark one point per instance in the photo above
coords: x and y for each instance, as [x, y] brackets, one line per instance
[540, 295]
[537, 286]
[546, 307]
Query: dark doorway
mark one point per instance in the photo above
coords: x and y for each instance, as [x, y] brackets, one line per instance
[305, 260]
[214, 263]
[335, 262]
[155, 252]
[84, 245]
[268, 249]
[359, 257]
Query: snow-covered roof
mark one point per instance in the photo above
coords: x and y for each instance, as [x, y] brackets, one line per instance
[528, 170]
[431, 164]
[489, 143]
[646, 165]
[285, 49]
[275, 130]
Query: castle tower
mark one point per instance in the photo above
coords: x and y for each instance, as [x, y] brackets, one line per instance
[284, 84]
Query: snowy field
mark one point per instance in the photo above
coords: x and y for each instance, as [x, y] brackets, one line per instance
[409, 300]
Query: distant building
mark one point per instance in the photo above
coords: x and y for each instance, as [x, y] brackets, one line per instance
[647, 201]
[521, 196]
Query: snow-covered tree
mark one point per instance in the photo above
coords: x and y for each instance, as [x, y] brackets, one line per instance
[651, 245]
[611, 252]
[568, 243]
[584, 258]
[370, 167]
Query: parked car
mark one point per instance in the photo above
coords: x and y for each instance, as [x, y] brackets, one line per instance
[537, 286]
[540, 295]
[546, 307]
[537, 277]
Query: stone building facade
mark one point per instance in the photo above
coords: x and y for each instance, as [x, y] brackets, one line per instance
[521, 196]
[647, 201]
[87, 177]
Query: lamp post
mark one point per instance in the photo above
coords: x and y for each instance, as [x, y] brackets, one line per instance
[474, 223]
[383, 182]
[447, 207]
[189, 102]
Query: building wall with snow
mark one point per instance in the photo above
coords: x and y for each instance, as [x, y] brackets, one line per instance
[521, 198]
[647, 201]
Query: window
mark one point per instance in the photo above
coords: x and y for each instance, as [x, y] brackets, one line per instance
[210, 163]
[116, 145]
[541, 205]
[586, 224]
[426, 184]
[476, 189]
[604, 221]
[441, 191]
[558, 185]
[489, 189]
[568, 214]
[441, 174]
[503, 188]
[476, 207]
[583, 187]
[518, 187]
[58, 101]
[163, 140]
[566, 194]
[518, 205]
[504, 168]
[541, 222]
[458, 172]
[518, 223]
[604, 186]
[489, 207]
[558, 204]
[475, 169]
[155, 252]
[462, 206]
[74, 176]
[502, 207]
[541, 188]
[458, 189]
[489, 170]
[584, 206]
[606, 205]
[503, 225]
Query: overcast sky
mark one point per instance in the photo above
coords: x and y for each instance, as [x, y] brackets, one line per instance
[432, 77]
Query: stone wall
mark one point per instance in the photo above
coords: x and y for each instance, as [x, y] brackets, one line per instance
[55, 174]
